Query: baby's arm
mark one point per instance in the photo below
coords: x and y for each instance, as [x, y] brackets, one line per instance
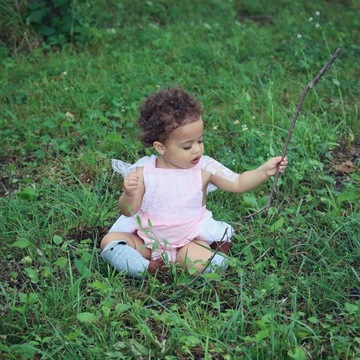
[131, 199]
[251, 179]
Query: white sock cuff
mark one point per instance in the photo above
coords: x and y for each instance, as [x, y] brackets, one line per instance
[114, 243]
[217, 262]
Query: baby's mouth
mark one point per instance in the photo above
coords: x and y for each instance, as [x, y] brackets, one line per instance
[196, 160]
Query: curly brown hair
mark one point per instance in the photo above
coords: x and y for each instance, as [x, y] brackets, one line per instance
[164, 111]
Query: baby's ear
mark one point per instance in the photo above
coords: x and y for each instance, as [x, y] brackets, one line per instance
[159, 147]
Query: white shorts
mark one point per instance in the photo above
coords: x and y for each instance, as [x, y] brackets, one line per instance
[211, 230]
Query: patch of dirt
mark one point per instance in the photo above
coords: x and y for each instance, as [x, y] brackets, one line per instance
[344, 161]
[8, 270]
[84, 231]
[258, 19]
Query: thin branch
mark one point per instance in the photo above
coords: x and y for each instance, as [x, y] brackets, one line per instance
[309, 86]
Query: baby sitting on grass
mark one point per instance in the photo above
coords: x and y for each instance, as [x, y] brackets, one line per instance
[163, 206]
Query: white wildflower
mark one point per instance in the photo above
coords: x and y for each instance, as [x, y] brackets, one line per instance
[299, 36]
[26, 260]
[311, 19]
[215, 127]
[317, 25]
[236, 122]
[317, 13]
[64, 73]
[244, 127]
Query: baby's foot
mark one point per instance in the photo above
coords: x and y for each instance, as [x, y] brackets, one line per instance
[221, 246]
[157, 266]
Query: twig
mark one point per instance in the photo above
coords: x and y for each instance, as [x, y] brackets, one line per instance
[263, 254]
[309, 86]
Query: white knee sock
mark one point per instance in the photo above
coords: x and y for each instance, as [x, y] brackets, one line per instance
[217, 262]
[124, 258]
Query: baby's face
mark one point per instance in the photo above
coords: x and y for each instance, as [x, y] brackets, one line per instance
[184, 148]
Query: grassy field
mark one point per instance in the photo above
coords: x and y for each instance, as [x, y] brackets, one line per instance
[293, 288]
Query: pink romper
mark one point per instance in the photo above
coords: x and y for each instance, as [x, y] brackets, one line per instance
[171, 213]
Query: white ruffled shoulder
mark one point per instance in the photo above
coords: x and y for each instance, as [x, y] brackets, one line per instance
[123, 168]
[211, 165]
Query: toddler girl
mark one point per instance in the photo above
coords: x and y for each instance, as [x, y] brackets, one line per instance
[163, 206]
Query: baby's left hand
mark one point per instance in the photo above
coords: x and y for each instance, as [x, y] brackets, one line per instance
[272, 165]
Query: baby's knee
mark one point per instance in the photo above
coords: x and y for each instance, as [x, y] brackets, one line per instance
[109, 237]
[104, 241]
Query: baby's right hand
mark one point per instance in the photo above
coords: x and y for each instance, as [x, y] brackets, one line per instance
[131, 183]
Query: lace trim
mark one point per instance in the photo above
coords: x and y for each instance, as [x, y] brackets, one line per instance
[206, 163]
[123, 168]
[214, 167]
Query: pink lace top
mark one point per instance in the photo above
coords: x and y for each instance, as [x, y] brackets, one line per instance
[172, 204]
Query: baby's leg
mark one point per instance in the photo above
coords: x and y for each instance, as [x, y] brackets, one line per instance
[131, 239]
[197, 254]
[126, 253]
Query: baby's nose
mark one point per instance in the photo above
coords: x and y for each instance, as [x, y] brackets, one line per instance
[196, 148]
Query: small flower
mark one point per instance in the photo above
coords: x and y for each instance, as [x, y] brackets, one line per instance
[317, 13]
[311, 19]
[317, 25]
[236, 122]
[299, 36]
[26, 260]
[64, 73]
[215, 127]
[244, 127]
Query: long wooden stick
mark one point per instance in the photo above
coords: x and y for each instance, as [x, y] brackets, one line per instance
[309, 86]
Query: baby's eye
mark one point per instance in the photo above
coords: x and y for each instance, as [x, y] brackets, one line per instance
[187, 148]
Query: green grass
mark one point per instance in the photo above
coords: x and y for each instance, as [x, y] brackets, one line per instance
[293, 289]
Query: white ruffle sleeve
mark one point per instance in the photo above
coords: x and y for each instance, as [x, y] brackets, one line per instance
[123, 168]
[212, 166]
